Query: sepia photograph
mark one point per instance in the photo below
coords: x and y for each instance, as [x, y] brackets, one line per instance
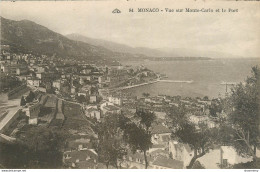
[130, 84]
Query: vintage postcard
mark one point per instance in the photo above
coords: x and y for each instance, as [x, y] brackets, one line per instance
[130, 84]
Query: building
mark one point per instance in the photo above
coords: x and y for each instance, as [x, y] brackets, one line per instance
[14, 69]
[85, 78]
[180, 152]
[160, 134]
[160, 115]
[104, 103]
[87, 70]
[111, 109]
[21, 70]
[82, 94]
[229, 157]
[79, 144]
[101, 79]
[32, 81]
[93, 99]
[32, 111]
[73, 90]
[202, 119]
[166, 163]
[115, 100]
[135, 161]
[205, 102]
[40, 69]
[4, 68]
[74, 158]
[93, 113]
[84, 91]
[40, 75]
[57, 84]
[154, 153]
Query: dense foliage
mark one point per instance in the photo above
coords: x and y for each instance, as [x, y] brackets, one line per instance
[37, 147]
[138, 135]
[244, 117]
[110, 145]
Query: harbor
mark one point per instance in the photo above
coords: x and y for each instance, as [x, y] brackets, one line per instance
[152, 82]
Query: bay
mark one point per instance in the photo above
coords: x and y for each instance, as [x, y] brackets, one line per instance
[207, 76]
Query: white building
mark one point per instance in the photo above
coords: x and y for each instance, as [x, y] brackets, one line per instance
[93, 99]
[32, 111]
[93, 113]
[39, 75]
[180, 152]
[33, 82]
[229, 156]
[160, 134]
[56, 84]
[115, 100]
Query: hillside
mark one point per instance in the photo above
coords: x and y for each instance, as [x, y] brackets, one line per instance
[27, 36]
[149, 52]
[116, 46]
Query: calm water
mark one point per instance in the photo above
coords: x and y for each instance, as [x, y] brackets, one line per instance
[207, 76]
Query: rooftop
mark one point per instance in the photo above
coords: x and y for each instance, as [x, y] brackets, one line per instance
[168, 163]
[160, 129]
[80, 155]
[111, 107]
[89, 164]
[92, 109]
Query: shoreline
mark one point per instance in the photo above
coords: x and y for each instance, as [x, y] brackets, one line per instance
[152, 82]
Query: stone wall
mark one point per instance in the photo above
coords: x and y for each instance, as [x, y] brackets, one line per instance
[17, 91]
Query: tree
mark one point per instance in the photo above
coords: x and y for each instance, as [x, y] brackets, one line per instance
[215, 107]
[110, 145]
[44, 146]
[138, 135]
[13, 155]
[248, 165]
[146, 94]
[23, 101]
[198, 165]
[200, 140]
[177, 117]
[206, 98]
[30, 97]
[94, 90]
[244, 115]
[81, 98]
[146, 118]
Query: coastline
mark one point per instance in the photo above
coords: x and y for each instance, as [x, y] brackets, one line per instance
[152, 82]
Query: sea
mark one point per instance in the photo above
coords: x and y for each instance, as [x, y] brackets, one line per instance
[207, 76]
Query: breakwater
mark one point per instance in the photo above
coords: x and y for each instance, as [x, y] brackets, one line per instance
[152, 82]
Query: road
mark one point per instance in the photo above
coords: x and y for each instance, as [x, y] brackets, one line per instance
[12, 106]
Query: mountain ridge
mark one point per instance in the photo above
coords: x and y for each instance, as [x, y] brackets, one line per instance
[28, 36]
[149, 52]
[113, 46]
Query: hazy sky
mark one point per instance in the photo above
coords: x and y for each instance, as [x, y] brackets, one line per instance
[233, 33]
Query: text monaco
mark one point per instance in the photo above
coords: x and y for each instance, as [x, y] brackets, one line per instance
[154, 10]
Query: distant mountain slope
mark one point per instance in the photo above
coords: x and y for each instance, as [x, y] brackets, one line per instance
[116, 46]
[28, 36]
[186, 52]
[164, 52]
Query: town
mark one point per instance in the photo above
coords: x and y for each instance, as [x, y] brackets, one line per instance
[86, 102]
